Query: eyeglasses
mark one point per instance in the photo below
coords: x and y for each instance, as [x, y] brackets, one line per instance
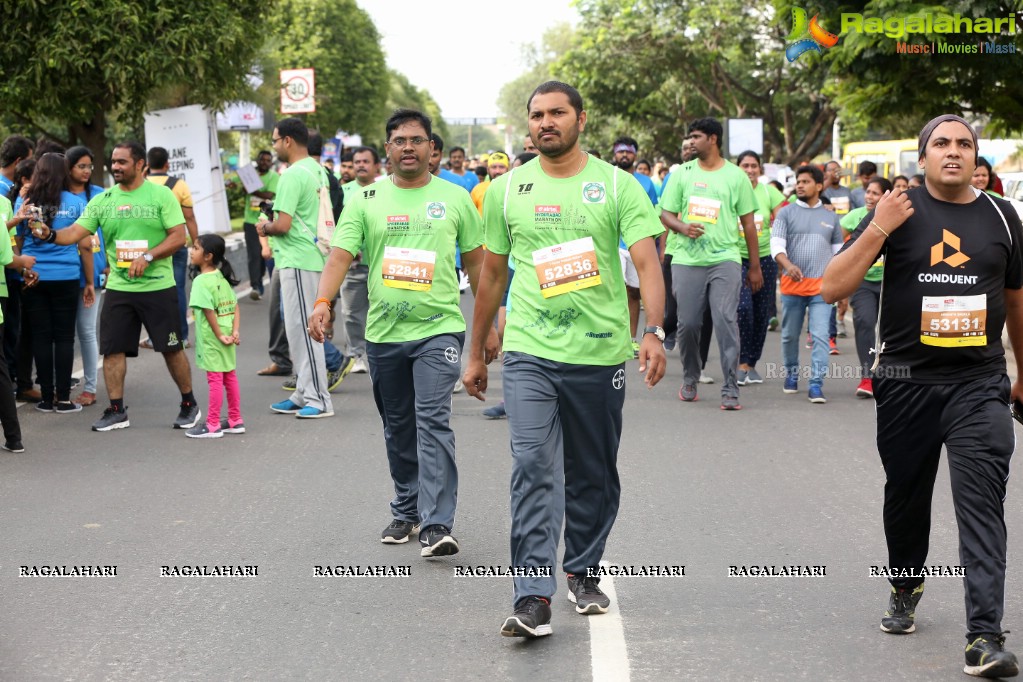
[84, 166]
[414, 141]
[275, 140]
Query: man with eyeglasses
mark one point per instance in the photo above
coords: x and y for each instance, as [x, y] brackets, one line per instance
[406, 227]
[159, 165]
[293, 232]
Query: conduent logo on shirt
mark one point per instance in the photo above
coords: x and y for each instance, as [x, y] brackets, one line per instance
[955, 259]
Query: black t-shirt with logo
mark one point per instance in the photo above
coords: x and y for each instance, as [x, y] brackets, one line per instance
[943, 299]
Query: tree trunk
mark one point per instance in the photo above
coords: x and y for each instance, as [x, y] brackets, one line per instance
[94, 136]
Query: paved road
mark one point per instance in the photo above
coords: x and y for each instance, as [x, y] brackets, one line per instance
[781, 482]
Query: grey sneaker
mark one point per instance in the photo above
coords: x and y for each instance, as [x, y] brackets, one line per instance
[753, 376]
[290, 384]
[203, 431]
[741, 377]
[730, 403]
[495, 412]
[112, 419]
[226, 427]
[586, 595]
[687, 393]
[188, 416]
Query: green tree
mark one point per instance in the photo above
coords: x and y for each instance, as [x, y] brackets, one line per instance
[406, 95]
[539, 60]
[339, 40]
[643, 75]
[900, 92]
[79, 65]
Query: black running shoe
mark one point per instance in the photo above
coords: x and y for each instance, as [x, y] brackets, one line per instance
[532, 618]
[397, 533]
[987, 657]
[188, 416]
[13, 446]
[586, 595]
[437, 541]
[898, 619]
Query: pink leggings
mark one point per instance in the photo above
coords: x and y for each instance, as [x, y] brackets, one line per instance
[218, 381]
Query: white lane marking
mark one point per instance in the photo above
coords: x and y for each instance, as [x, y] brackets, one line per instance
[608, 656]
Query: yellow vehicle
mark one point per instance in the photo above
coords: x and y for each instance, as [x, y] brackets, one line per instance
[893, 157]
[899, 157]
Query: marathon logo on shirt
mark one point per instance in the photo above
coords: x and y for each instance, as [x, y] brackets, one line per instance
[398, 224]
[594, 192]
[436, 210]
[544, 213]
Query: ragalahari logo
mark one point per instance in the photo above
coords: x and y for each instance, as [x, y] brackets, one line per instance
[817, 40]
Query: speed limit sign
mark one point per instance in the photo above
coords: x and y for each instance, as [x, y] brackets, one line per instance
[298, 91]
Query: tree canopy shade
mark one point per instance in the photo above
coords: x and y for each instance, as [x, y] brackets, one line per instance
[648, 67]
[79, 61]
[874, 81]
[339, 40]
[651, 66]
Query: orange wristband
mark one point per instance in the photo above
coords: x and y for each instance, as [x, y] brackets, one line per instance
[324, 300]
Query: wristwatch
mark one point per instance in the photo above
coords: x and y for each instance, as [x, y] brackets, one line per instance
[149, 259]
[656, 331]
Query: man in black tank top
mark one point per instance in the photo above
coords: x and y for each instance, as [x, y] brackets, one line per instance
[952, 280]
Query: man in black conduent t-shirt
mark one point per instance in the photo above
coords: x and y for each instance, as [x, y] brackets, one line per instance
[952, 280]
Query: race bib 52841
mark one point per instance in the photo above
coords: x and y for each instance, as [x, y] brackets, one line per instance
[410, 269]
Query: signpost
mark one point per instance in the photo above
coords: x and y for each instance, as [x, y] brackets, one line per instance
[298, 91]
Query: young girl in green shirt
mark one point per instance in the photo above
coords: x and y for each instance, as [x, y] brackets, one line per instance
[215, 308]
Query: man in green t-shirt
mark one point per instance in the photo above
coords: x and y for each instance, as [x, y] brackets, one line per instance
[406, 227]
[559, 217]
[143, 227]
[701, 205]
[354, 292]
[296, 256]
[253, 249]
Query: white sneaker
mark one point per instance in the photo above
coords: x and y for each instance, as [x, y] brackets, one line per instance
[459, 386]
[706, 378]
[360, 366]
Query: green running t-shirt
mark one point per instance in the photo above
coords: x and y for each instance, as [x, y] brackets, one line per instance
[768, 197]
[567, 301]
[210, 291]
[407, 238]
[135, 222]
[715, 199]
[252, 202]
[298, 196]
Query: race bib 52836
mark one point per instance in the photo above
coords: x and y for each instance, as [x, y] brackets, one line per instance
[565, 267]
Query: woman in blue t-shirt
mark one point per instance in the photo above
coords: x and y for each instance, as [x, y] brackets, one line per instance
[51, 306]
[80, 166]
